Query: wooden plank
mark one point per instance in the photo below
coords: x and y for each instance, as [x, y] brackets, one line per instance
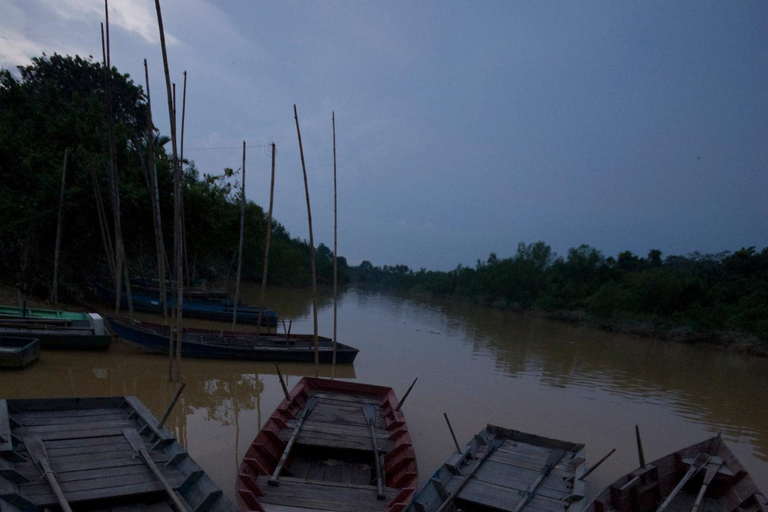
[44, 500]
[80, 434]
[339, 441]
[502, 498]
[519, 479]
[24, 417]
[89, 463]
[65, 404]
[43, 430]
[28, 420]
[98, 483]
[343, 397]
[322, 496]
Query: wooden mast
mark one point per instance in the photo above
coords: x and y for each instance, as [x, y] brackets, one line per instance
[266, 244]
[181, 160]
[311, 246]
[156, 214]
[240, 249]
[335, 244]
[176, 331]
[54, 288]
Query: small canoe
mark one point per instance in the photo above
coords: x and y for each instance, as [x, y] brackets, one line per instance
[198, 289]
[214, 344]
[90, 446]
[18, 352]
[216, 310]
[729, 488]
[505, 470]
[90, 335]
[316, 452]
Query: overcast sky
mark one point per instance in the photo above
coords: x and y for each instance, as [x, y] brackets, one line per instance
[462, 127]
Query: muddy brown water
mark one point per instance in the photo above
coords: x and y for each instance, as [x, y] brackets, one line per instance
[476, 364]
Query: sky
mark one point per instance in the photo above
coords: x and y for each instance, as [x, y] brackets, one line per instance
[463, 128]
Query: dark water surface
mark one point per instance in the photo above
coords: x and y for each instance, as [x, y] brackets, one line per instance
[478, 365]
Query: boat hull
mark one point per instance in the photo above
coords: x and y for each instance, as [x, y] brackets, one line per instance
[215, 310]
[88, 442]
[151, 340]
[643, 490]
[18, 353]
[331, 461]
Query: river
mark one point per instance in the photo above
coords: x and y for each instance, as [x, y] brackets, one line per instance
[476, 364]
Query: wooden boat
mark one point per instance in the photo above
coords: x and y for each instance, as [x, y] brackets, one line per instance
[10, 313]
[677, 480]
[317, 452]
[197, 290]
[217, 310]
[506, 470]
[18, 352]
[232, 344]
[84, 335]
[89, 447]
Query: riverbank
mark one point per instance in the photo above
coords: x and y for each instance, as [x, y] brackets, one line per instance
[734, 341]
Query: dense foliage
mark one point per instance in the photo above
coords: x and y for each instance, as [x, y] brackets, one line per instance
[59, 102]
[726, 291]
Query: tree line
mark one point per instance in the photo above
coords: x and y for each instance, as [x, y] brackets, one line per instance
[726, 291]
[59, 102]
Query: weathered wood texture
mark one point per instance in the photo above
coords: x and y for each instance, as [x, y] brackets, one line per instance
[92, 460]
[500, 478]
[643, 490]
[332, 464]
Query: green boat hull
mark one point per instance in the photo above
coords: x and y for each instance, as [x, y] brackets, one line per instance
[41, 313]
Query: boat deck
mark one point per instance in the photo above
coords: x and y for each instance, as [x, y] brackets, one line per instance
[331, 466]
[93, 460]
[497, 470]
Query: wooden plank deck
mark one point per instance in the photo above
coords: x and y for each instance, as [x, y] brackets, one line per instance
[93, 461]
[346, 482]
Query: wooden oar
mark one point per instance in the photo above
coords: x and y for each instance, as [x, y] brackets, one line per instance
[491, 448]
[552, 461]
[713, 466]
[370, 417]
[273, 480]
[698, 463]
[134, 439]
[39, 455]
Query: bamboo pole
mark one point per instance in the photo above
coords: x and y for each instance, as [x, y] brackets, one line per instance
[181, 162]
[266, 244]
[177, 330]
[240, 249]
[106, 238]
[640, 454]
[311, 246]
[335, 244]
[120, 259]
[54, 288]
[156, 213]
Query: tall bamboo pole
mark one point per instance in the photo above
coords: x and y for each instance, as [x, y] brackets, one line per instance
[240, 250]
[335, 243]
[121, 264]
[54, 288]
[311, 246]
[181, 159]
[266, 243]
[106, 238]
[156, 213]
[177, 330]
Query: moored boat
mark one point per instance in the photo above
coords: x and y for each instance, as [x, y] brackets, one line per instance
[90, 334]
[505, 470]
[18, 352]
[706, 473]
[217, 310]
[103, 453]
[9, 313]
[333, 446]
[214, 344]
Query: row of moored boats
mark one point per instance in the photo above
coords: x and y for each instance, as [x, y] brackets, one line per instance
[332, 446]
